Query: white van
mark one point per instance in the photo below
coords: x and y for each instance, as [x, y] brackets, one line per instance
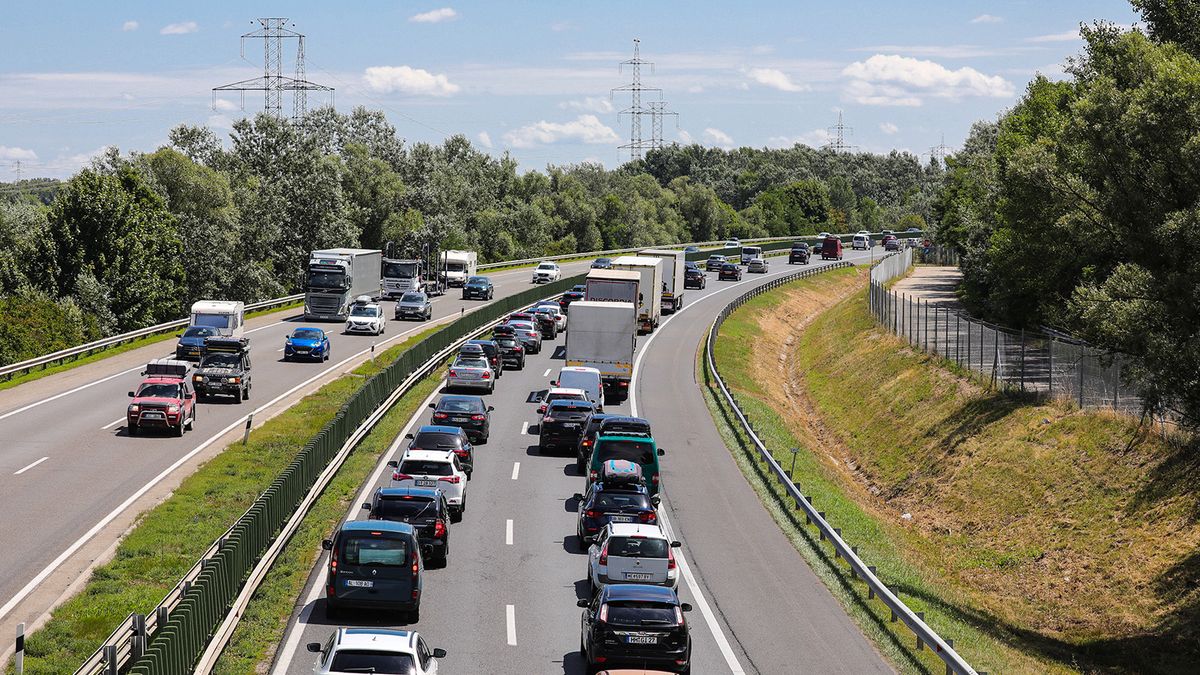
[750, 253]
[227, 317]
[582, 377]
[861, 241]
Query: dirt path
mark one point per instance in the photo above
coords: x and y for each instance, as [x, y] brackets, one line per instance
[933, 284]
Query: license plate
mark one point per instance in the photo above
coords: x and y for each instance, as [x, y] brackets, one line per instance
[458, 419]
[641, 639]
[154, 416]
[570, 425]
[356, 583]
[424, 482]
[638, 576]
[621, 519]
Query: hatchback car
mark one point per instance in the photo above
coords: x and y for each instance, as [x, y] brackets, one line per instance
[471, 373]
[306, 343]
[603, 504]
[445, 438]
[714, 263]
[638, 553]
[730, 272]
[528, 334]
[375, 650]
[374, 564]
[478, 288]
[602, 264]
[861, 241]
[434, 470]
[414, 305]
[512, 352]
[635, 625]
[546, 272]
[757, 265]
[468, 413]
[425, 509]
[563, 423]
[694, 277]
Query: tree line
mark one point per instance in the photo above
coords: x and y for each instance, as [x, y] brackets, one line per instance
[134, 238]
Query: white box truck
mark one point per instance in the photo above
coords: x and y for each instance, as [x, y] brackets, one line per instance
[612, 286]
[649, 291]
[457, 266]
[602, 335]
[672, 274]
[336, 276]
[227, 317]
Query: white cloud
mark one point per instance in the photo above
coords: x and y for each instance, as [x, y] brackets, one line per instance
[685, 138]
[776, 79]
[584, 129]
[484, 139]
[129, 25]
[714, 136]
[888, 128]
[1067, 36]
[224, 105]
[814, 139]
[560, 26]
[220, 122]
[588, 104]
[987, 18]
[903, 81]
[434, 16]
[12, 154]
[181, 28]
[388, 79]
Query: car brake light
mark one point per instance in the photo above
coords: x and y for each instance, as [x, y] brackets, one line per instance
[603, 615]
[396, 475]
[440, 415]
[671, 564]
[604, 554]
[678, 616]
[461, 452]
[452, 373]
[333, 562]
[487, 375]
[439, 528]
[587, 443]
[654, 479]
[414, 568]
[479, 418]
[647, 517]
[450, 479]
[592, 513]
[593, 475]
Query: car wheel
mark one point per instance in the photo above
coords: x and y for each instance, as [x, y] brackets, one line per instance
[246, 394]
[483, 440]
[179, 429]
[191, 423]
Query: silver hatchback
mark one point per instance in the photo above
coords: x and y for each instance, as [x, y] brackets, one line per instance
[414, 305]
[471, 373]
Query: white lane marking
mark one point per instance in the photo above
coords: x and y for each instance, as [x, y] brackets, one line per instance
[78, 543]
[516, 470]
[18, 473]
[547, 373]
[290, 646]
[508, 532]
[113, 423]
[524, 428]
[281, 349]
[510, 617]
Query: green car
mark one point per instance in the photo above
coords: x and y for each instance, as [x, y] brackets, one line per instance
[640, 450]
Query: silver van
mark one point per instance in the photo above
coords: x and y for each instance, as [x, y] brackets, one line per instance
[582, 377]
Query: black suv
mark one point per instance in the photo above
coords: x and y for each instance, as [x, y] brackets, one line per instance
[468, 413]
[478, 287]
[714, 263]
[512, 352]
[694, 277]
[635, 625]
[563, 423]
[491, 352]
[576, 293]
[224, 369]
[423, 508]
[622, 425]
[800, 253]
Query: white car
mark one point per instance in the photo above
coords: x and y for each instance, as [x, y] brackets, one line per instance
[366, 317]
[559, 393]
[632, 553]
[375, 650]
[584, 378]
[435, 470]
[861, 241]
[471, 373]
[733, 243]
[546, 272]
[552, 308]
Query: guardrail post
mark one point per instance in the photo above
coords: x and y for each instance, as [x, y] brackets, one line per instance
[161, 616]
[920, 644]
[950, 644]
[1022, 359]
[137, 646]
[110, 660]
[792, 472]
[19, 659]
[871, 591]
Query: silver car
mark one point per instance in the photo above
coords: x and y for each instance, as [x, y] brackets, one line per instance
[414, 305]
[471, 373]
[632, 553]
[528, 334]
[757, 265]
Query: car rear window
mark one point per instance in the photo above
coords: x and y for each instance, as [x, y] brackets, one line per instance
[403, 507]
[471, 363]
[426, 467]
[639, 453]
[374, 550]
[459, 405]
[550, 398]
[360, 661]
[621, 500]
[437, 440]
[637, 547]
[641, 613]
[616, 427]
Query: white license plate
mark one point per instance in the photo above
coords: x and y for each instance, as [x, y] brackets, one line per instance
[424, 482]
[641, 639]
[621, 519]
[638, 576]
[458, 419]
[356, 583]
[154, 416]
[570, 425]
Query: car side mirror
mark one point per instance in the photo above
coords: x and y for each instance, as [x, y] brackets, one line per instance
[366, 505]
[576, 496]
[661, 452]
[409, 436]
[189, 395]
[131, 394]
[685, 606]
[553, 383]
[582, 603]
[656, 500]
[439, 653]
[675, 544]
[327, 544]
[432, 406]
[491, 408]
[314, 647]
[393, 464]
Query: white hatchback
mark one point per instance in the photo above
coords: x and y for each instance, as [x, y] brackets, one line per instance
[561, 393]
[632, 553]
[375, 650]
[366, 318]
[435, 470]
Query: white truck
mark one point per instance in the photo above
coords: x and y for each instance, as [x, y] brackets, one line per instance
[672, 274]
[458, 266]
[227, 317]
[602, 335]
[335, 277]
[649, 291]
[612, 286]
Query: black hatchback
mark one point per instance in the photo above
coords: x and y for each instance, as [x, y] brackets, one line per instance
[423, 508]
[563, 423]
[635, 625]
[800, 253]
[694, 277]
[468, 413]
[730, 271]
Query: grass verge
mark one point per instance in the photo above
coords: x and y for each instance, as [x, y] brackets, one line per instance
[169, 538]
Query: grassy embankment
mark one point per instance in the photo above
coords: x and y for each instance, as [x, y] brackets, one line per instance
[1041, 538]
[168, 539]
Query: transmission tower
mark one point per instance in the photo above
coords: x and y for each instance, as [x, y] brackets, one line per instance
[636, 144]
[938, 152]
[838, 143]
[17, 169]
[658, 110]
[273, 83]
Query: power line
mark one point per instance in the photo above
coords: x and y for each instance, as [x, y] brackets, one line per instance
[637, 145]
[658, 110]
[938, 152]
[273, 82]
[838, 142]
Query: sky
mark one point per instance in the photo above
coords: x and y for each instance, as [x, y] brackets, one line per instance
[533, 79]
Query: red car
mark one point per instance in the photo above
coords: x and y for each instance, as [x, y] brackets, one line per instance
[831, 249]
[164, 399]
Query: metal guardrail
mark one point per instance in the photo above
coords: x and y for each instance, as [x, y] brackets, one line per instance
[926, 636]
[29, 365]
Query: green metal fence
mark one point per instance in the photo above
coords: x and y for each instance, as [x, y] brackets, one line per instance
[178, 642]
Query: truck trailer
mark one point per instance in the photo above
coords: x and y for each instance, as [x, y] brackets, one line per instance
[649, 290]
[458, 266]
[672, 275]
[609, 285]
[601, 335]
[335, 277]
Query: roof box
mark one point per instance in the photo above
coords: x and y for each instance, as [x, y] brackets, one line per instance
[167, 368]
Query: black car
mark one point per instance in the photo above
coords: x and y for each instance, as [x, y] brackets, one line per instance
[224, 369]
[729, 271]
[714, 263]
[602, 264]
[491, 352]
[601, 505]
[567, 298]
[423, 508]
[563, 423]
[623, 425]
[468, 413]
[800, 253]
[478, 288]
[445, 437]
[512, 352]
[583, 449]
[694, 277]
[635, 625]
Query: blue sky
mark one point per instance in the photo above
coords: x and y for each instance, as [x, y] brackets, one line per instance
[533, 78]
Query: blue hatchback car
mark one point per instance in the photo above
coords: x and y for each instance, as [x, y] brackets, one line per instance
[191, 342]
[306, 343]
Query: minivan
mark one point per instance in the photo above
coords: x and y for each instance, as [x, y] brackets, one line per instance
[374, 564]
[861, 241]
[640, 450]
[582, 377]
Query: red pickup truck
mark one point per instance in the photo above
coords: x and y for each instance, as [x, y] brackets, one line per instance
[164, 399]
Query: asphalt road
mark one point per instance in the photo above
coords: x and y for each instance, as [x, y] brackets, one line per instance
[506, 601]
[67, 466]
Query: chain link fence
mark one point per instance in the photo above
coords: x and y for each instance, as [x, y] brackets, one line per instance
[1014, 360]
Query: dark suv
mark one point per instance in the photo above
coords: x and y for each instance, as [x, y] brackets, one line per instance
[694, 277]
[800, 253]
[468, 413]
[445, 437]
[563, 423]
[491, 352]
[603, 504]
[374, 564]
[478, 287]
[621, 425]
[635, 625]
[512, 352]
[423, 508]
[583, 449]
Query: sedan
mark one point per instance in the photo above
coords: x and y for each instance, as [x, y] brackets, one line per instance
[635, 625]
[546, 272]
[757, 265]
[602, 264]
[478, 288]
[730, 272]
[602, 505]
[471, 373]
[694, 277]
[414, 305]
[714, 263]
[528, 334]
[468, 413]
[306, 343]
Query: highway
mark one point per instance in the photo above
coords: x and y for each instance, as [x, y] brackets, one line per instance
[68, 466]
[506, 601]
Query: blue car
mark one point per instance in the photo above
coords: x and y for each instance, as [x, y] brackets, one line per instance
[307, 343]
[191, 341]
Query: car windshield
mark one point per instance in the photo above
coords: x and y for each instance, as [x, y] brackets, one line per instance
[546, 266]
[633, 451]
[412, 297]
[461, 405]
[395, 508]
[373, 550]
[477, 281]
[307, 334]
[471, 363]
[426, 467]
[602, 261]
[637, 547]
[641, 613]
[437, 440]
[159, 390]
[607, 501]
[212, 320]
[221, 361]
[360, 661]
[399, 270]
[199, 331]
[363, 310]
[333, 280]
